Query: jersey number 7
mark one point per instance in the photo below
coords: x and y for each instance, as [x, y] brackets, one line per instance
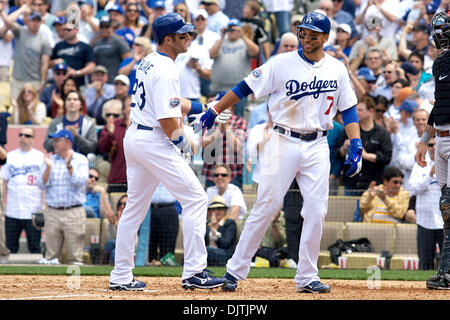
[138, 99]
[331, 104]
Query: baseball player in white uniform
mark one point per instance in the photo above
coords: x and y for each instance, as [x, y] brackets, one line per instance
[154, 146]
[306, 88]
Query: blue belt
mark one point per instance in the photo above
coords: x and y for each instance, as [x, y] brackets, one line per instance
[298, 135]
[142, 127]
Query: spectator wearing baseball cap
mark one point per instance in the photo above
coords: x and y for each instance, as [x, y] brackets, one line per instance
[232, 56]
[63, 178]
[31, 51]
[55, 87]
[363, 82]
[220, 236]
[217, 20]
[75, 52]
[343, 38]
[109, 49]
[99, 91]
[420, 40]
[404, 137]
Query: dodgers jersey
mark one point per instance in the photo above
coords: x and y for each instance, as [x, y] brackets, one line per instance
[304, 96]
[156, 91]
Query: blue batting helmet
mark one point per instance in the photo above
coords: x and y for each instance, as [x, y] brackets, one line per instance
[315, 21]
[170, 23]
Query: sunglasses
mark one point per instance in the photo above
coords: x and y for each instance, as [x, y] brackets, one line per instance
[104, 26]
[133, 10]
[388, 72]
[431, 145]
[200, 19]
[115, 115]
[220, 175]
[379, 110]
[119, 83]
[92, 176]
[396, 181]
[26, 135]
[60, 73]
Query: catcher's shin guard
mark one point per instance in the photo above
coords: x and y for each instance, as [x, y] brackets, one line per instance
[444, 206]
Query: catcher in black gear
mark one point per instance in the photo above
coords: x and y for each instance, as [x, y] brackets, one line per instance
[439, 125]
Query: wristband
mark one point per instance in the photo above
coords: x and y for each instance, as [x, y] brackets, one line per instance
[197, 107]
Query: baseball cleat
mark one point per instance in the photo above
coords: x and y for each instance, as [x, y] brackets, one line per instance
[203, 280]
[315, 287]
[440, 281]
[134, 285]
[231, 284]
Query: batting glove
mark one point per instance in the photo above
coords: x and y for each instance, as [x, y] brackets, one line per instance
[208, 118]
[195, 120]
[354, 158]
[185, 147]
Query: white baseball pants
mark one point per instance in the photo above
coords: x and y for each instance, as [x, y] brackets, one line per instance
[151, 158]
[283, 159]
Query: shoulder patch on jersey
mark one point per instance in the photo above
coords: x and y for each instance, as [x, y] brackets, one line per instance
[173, 102]
[256, 73]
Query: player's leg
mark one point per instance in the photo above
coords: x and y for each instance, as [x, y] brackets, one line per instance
[442, 279]
[141, 185]
[314, 186]
[277, 172]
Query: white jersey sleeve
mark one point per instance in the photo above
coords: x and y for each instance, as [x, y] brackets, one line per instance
[156, 91]
[261, 79]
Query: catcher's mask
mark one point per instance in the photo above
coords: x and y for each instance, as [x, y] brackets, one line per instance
[37, 219]
[441, 29]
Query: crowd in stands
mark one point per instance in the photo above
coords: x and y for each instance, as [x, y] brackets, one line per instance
[70, 66]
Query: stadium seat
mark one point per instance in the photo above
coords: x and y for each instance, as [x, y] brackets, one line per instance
[341, 208]
[405, 245]
[380, 235]
[332, 231]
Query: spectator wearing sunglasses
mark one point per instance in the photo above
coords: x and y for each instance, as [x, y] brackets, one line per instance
[110, 143]
[23, 196]
[97, 203]
[121, 88]
[205, 39]
[233, 196]
[387, 202]
[77, 54]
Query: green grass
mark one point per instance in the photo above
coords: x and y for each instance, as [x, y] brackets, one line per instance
[254, 272]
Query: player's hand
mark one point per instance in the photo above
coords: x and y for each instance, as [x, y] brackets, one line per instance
[354, 159]
[208, 118]
[185, 147]
[420, 154]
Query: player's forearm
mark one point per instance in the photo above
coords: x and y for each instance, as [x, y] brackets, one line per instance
[228, 100]
[353, 131]
[171, 128]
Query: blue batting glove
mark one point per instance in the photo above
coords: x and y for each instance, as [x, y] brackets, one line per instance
[354, 158]
[207, 120]
[182, 144]
[195, 122]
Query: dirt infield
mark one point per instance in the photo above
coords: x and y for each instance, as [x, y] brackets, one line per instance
[23, 287]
